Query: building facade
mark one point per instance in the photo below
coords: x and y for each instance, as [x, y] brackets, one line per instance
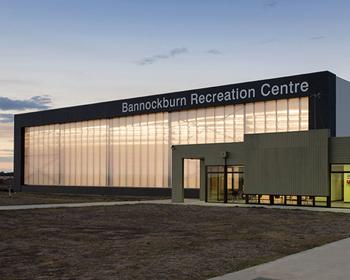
[125, 146]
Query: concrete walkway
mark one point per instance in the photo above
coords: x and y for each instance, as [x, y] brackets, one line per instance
[330, 261]
[80, 204]
[193, 202]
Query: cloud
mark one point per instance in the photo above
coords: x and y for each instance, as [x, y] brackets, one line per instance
[6, 118]
[317, 37]
[154, 58]
[214, 51]
[270, 4]
[35, 102]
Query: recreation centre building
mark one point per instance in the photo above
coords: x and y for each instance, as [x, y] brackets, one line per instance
[277, 141]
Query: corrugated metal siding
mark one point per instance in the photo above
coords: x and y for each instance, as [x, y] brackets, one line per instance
[294, 163]
[339, 150]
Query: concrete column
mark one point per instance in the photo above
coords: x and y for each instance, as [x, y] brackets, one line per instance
[202, 180]
[177, 187]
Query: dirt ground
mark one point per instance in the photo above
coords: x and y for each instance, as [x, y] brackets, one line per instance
[155, 241]
[21, 198]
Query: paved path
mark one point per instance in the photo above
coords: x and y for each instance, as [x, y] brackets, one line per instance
[80, 204]
[328, 262]
[193, 202]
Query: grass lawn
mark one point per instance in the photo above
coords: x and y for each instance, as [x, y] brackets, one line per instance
[42, 198]
[155, 241]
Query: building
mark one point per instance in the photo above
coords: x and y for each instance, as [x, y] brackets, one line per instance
[276, 141]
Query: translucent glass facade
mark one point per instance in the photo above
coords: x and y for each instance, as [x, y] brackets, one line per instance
[134, 151]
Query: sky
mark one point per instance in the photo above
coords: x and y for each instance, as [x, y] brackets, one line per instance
[57, 53]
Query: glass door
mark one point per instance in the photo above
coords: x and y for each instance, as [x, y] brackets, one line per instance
[225, 185]
[340, 185]
[235, 184]
[215, 184]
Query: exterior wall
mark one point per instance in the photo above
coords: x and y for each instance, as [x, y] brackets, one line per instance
[287, 163]
[342, 107]
[257, 113]
[134, 151]
[339, 150]
[292, 163]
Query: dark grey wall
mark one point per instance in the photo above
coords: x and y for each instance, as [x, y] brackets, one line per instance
[293, 163]
[342, 107]
[339, 150]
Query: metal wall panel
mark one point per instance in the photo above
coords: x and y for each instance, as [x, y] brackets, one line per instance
[287, 163]
[339, 150]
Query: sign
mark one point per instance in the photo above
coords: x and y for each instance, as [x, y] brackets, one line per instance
[216, 96]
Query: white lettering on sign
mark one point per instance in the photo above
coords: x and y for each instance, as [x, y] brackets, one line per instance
[290, 88]
[234, 95]
[158, 104]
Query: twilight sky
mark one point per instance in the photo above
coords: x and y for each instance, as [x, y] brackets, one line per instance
[56, 53]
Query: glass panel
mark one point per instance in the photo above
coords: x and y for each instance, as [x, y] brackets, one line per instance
[238, 169]
[219, 125]
[218, 168]
[166, 150]
[129, 144]
[337, 186]
[210, 125]
[306, 200]
[249, 118]
[282, 113]
[239, 122]
[304, 113]
[84, 154]
[278, 199]
[270, 112]
[293, 114]
[340, 167]
[201, 126]
[159, 171]
[122, 152]
[259, 116]
[183, 123]
[192, 127]
[215, 183]
[291, 200]
[144, 149]
[151, 150]
[137, 151]
[229, 124]
[175, 128]
[230, 187]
